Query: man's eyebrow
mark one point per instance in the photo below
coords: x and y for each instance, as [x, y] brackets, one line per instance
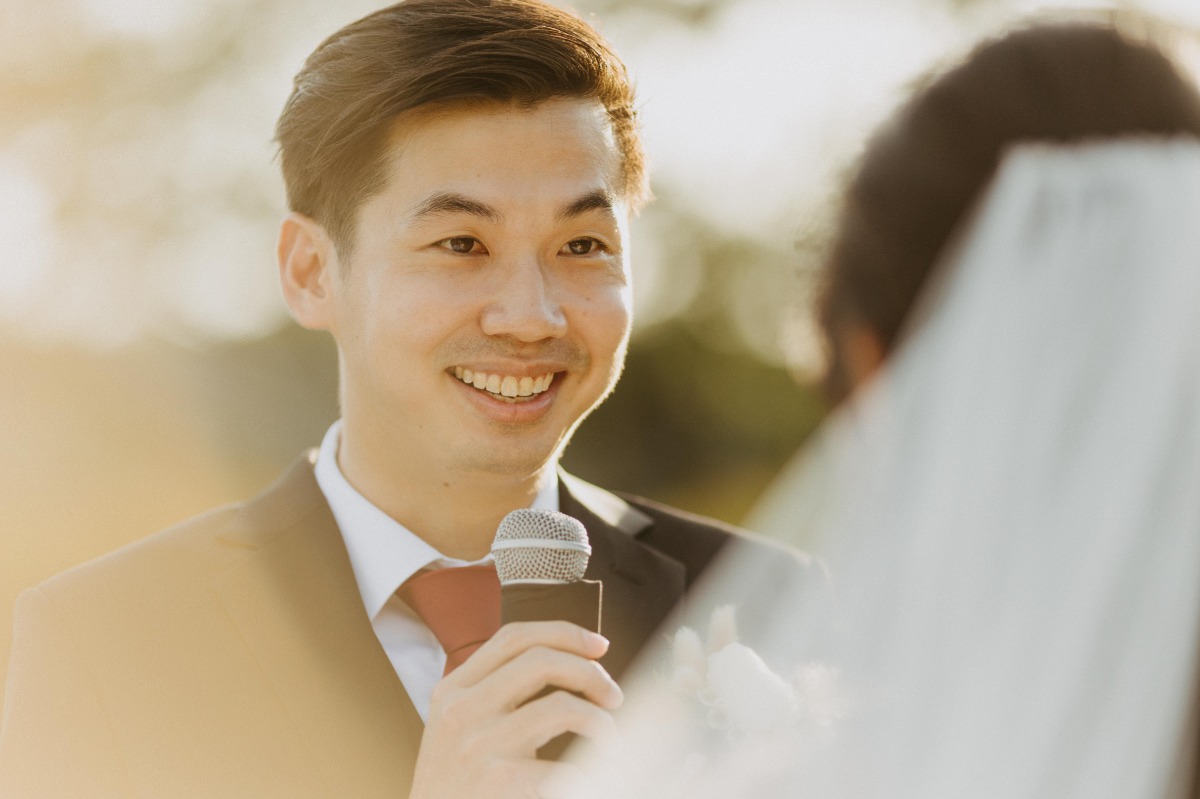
[597, 200]
[451, 203]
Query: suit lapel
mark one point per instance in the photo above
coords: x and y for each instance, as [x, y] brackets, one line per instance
[294, 599]
[641, 585]
[296, 603]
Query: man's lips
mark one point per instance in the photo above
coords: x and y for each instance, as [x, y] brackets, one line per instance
[507, 388]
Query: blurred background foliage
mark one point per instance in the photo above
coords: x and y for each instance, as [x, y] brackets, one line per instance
[149, 370]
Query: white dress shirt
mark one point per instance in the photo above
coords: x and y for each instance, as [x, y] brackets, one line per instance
[383, 554]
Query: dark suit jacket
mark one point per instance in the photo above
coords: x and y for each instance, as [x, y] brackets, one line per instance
[231, 656]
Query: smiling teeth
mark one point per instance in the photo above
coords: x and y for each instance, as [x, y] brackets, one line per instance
[505, 385]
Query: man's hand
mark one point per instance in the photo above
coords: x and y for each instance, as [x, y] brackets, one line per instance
[483, 732]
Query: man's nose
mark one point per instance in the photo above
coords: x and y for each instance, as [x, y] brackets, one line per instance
[526, 304]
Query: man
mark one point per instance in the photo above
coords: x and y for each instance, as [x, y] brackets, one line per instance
[460, 175]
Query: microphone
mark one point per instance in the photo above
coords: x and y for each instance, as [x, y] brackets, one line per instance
[541, 557]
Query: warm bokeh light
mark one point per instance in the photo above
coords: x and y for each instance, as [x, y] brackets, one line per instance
[27, 236]
[140, 18]
[149, 125]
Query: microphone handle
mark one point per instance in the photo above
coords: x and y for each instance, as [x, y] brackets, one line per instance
[578, 602]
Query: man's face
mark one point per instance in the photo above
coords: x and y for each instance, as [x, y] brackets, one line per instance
[486, 306]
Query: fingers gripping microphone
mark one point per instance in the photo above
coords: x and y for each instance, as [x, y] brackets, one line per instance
[540, 558]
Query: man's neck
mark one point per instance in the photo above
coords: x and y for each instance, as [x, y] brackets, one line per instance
[456, 514]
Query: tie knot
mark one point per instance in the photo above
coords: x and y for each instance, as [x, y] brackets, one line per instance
[461, 606]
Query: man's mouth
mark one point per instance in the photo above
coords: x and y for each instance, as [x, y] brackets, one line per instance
[506, 388]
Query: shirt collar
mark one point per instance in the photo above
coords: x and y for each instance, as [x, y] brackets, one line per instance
[383, 552]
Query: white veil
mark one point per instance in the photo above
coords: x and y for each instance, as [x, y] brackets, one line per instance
[1011, 515]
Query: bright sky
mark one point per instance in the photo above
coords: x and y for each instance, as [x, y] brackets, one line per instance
[753, 117]
[749, 117]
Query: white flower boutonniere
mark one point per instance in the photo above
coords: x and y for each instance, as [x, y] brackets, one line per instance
[741, 693]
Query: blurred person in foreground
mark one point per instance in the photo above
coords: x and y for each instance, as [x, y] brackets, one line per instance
[460, 175]
[1008, 495]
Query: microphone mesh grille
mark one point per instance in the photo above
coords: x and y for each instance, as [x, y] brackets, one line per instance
[547, 556]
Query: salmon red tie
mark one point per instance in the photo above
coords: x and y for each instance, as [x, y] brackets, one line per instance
[460, 605]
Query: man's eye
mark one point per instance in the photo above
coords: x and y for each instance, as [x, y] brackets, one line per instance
[464, 245]
[581, 247]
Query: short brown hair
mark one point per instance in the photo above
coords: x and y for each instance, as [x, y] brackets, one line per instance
[1061, 81]
[334, 130]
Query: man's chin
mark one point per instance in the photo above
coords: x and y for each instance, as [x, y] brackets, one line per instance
[511, 460]
[518, 451]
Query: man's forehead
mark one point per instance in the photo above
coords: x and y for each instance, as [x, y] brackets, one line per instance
[477, 114]
[451, 141]
[486, 106]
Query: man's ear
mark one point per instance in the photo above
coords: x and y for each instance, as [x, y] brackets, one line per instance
[307, 271]
[863, 352]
